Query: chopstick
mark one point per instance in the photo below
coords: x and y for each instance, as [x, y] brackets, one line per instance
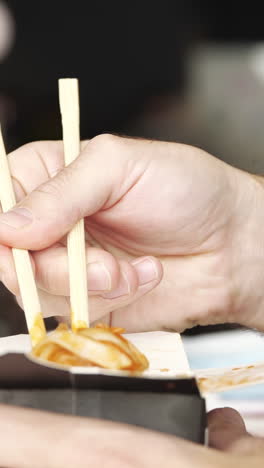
[69, 107]
[24, 271]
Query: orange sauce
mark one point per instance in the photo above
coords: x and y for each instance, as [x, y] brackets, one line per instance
[231, 378]
[38, 331]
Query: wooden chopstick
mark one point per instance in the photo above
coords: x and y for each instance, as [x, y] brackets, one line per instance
[69, 106]
[24, 271]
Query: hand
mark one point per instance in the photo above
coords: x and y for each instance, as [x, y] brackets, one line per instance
[55, 441]
[145, 204]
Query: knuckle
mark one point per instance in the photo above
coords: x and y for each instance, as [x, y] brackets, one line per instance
[25, 147]
[15, 156]
[22, 152]
[104, 140]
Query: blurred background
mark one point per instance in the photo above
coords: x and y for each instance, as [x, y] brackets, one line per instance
[176, 70]
[180, 70]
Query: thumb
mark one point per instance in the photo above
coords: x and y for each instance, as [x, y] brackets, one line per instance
[227, 431]
[50, 211]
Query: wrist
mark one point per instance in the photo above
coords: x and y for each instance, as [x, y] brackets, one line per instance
[247, 269]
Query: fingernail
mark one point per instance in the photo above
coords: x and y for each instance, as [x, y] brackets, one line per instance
[123, 289]
[17, 218]
[146, 270]
[99, 278]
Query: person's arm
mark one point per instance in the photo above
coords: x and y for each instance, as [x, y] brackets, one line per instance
[33, 439]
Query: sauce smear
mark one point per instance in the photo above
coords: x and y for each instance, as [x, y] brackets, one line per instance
[101, 346]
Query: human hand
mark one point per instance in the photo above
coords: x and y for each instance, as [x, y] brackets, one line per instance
[46, 440]
[173, 204]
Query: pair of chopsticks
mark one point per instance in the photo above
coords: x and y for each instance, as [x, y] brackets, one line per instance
[69, 106]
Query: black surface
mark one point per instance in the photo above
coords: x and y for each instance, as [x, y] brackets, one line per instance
[177, 414]
[16, 371]
[136, 384]
[54, 400]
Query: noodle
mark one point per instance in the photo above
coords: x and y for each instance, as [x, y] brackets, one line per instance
[101, 346]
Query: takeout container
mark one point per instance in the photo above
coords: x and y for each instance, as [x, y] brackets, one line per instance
[165, 398]
[168, 405]
[168, 397]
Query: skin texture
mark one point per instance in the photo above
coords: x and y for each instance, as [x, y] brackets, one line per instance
[46, 440]
[161, 218]
[195, 218]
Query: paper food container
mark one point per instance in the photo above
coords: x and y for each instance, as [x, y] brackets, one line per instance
[168, 397]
